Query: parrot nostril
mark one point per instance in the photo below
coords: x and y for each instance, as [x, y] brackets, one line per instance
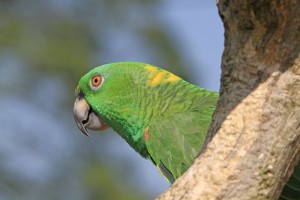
[79, 94]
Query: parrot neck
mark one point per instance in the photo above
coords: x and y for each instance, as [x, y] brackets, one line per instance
[134, 137]
[131, 130]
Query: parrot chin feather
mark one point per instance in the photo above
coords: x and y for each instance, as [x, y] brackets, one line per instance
[85, 117]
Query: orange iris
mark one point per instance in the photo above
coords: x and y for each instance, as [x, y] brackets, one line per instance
[96, 80]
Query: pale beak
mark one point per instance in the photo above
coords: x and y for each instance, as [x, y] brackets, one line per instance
[85, 118]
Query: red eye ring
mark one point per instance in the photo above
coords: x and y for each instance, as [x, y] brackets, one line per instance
[96, 82]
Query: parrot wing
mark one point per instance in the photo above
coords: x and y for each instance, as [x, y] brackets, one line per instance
[173, 142]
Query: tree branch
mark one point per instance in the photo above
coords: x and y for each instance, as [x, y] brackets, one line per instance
[254, 140]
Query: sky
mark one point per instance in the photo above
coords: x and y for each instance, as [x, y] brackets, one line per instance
[199, 29]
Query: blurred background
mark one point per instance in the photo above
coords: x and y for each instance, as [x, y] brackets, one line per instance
[46, 46]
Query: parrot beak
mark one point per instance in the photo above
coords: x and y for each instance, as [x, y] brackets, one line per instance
[85, 117]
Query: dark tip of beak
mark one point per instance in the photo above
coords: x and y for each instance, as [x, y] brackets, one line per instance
[84, 131]
[82, 128]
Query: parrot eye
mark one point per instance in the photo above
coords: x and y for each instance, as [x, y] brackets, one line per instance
[95, 82]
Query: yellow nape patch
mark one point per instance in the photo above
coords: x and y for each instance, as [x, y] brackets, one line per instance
[172, 78]
[157, 76]
[151, 68]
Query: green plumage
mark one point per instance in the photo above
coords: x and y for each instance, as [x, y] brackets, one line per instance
[164, 118]
[161, 116]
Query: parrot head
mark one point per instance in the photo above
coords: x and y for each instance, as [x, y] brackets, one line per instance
[108, 95]
[95, 88]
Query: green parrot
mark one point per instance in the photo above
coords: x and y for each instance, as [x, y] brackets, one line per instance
[164, 118]
[161, 116]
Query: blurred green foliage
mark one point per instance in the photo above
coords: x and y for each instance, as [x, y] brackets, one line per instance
[45, 47]
[111, 187]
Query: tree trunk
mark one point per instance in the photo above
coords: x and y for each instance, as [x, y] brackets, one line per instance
[256, 126]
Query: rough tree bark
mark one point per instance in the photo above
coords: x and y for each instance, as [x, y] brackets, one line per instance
[256, 126]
